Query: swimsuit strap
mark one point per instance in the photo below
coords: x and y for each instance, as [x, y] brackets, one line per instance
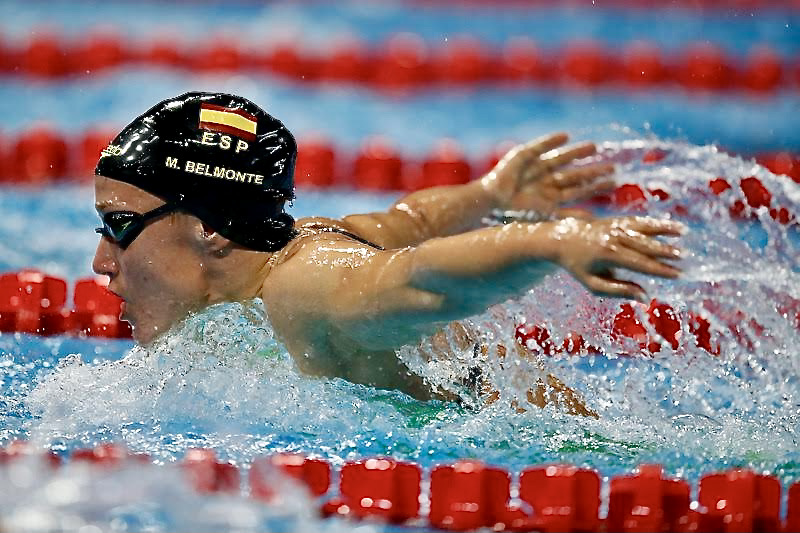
[320, 227]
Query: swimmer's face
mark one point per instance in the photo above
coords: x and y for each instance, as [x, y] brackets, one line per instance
[160, 274]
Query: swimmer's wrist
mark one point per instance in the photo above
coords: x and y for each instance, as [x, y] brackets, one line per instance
[536, 241]
[499, 197]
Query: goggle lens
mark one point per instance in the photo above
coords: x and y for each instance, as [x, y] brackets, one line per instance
[122, 227]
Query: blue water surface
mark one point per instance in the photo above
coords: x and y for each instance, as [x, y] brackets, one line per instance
[221, 380]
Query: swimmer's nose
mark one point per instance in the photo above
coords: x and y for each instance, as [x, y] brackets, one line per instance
[104, 262]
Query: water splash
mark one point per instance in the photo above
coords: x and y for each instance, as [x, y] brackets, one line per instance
[693, 404]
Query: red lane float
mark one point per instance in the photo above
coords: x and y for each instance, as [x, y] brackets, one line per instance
[588, 63]
[44, 56]
[562, 498]
[405, 61]
[315, 474]
[739, 500]
[42, 155]
[87, 151]
[101, 50]
[316, 163]
[521, 61]
[377, 166]
[19, 449]
[642, 65]
[626, 325]
[793, 515]
[763, 71]
[646, 501]
[379, 488]
[32, 302]
[347, 61]
[469, 495]
[207, 474]
[464, 60]
[38, 156]
[445, 165]
[782, 163]
[108, 454]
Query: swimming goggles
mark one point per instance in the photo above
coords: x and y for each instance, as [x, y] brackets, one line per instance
[122, 227]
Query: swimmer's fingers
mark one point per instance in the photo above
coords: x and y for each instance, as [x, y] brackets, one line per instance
[647, 245]
[640, 262]
[545, 191]
[520, 166]
[610, 286]
[525, 157]
[583, 175]
[558, 158]
[541, 145]
[653, 226]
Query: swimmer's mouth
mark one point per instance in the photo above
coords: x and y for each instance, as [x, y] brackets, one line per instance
[122, 305]
[115, 293]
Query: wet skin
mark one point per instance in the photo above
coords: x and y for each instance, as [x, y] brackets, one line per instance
[343, 307]
[164, 274]
[157, 275]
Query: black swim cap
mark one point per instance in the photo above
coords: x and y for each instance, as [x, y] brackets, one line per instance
[218, 156]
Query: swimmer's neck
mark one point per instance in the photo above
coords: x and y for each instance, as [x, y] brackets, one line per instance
[239, 275]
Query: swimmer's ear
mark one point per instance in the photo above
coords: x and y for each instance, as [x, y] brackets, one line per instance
[214, 243]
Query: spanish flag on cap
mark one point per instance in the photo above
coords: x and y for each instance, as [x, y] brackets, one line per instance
[227, 120]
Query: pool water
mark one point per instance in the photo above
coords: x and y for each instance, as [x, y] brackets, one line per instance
[220, 379]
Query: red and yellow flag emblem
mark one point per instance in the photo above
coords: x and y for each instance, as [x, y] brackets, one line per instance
[231, 121]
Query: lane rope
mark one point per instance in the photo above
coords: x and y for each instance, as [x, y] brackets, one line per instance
[469, 494]
[42, 155]
[405, 62]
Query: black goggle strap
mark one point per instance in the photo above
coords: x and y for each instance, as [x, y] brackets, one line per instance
[123, 227]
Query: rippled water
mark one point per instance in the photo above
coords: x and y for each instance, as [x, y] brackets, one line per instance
[220, 379]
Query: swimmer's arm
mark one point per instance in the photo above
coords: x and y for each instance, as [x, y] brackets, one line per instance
[474, 270]
[385, 299]
[533, 176]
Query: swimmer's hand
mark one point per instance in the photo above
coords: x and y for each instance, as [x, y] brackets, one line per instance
[590, 250]
[537, 176]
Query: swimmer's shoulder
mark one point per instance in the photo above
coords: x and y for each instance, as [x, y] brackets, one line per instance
[317, 225]
[312, 225]
[319, 229]
[292, 263]
[296, 291]
[307, 229]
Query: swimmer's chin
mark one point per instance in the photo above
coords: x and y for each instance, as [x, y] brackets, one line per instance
[145, 335]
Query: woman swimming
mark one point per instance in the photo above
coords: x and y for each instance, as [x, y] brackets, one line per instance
[192, 197]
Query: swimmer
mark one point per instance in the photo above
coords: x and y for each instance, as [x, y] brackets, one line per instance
[192, 194]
